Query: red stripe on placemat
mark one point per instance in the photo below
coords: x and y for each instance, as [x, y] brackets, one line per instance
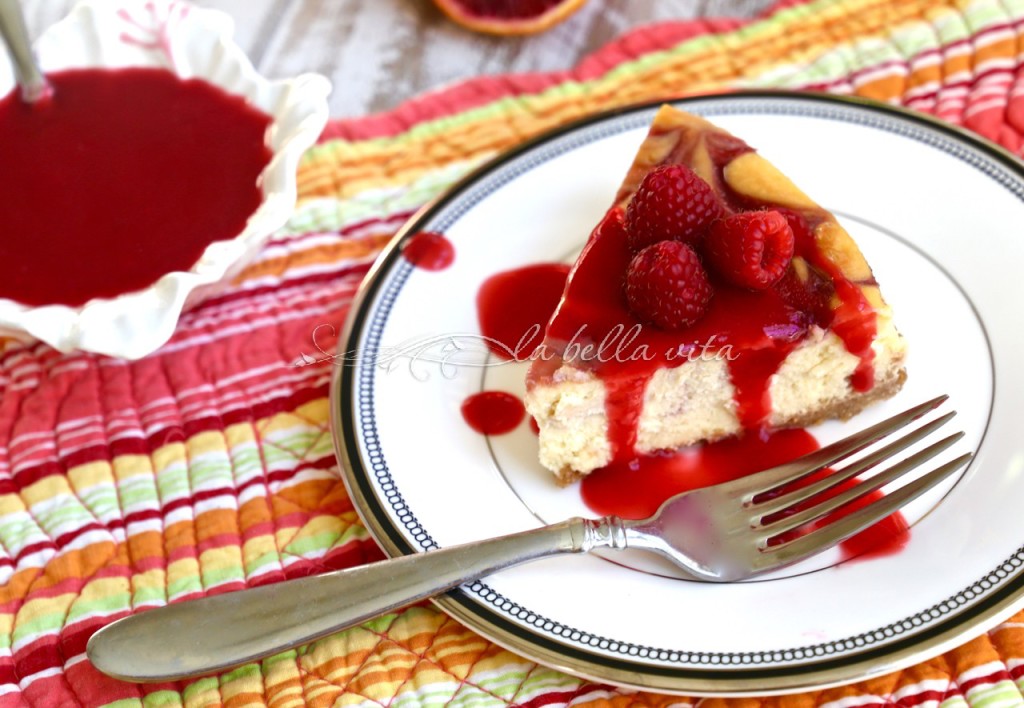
[563, 697]
[922, 697]
[243, 293]
[994, 677]
[172, 433]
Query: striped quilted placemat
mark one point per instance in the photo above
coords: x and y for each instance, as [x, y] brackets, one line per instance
[208, 467]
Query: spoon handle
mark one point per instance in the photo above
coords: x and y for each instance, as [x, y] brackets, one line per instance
[12, 27]
[221, 631]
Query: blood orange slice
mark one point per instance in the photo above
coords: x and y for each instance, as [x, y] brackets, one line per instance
[508, 17]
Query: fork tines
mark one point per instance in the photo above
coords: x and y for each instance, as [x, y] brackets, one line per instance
[798, 514]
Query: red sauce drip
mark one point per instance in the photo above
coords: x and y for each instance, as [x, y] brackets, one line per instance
[493, 412]
[514, 306]
[635, 488]
[624, 400]
[534, 427]
[751, 376]
[429, 250]
[123, 176]
[853, 319]
[753, 331]
[854, 323]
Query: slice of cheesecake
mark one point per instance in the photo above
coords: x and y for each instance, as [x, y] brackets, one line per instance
[665, 337]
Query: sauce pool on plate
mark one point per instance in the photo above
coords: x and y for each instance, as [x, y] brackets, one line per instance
[635, 489]
[493, 412]
[121, 177]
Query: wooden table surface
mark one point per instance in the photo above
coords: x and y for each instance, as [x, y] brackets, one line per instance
[378, 53]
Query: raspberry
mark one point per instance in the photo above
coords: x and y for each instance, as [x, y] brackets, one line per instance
[751, 249]
[671, 204]
[666, 286]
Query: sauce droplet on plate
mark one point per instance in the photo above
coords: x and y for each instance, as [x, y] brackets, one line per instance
[429, 250]
[493, 412]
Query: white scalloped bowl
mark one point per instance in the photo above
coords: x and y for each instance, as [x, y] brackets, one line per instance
[193, 43]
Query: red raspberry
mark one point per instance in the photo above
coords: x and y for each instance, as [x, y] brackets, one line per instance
[751, 249]
[666, 285]
[671, 204]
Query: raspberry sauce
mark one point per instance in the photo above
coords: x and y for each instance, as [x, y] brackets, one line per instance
[514, 306]
[429, 250]
[752, 331]
[493, 412]
[121, 177]
[635, 489]
[854, 323]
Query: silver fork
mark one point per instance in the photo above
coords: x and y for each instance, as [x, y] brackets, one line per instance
[727, 532]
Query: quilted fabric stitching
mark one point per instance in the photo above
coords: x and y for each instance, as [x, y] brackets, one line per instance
[196, 690]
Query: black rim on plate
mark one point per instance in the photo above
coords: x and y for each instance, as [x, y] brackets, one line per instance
[819, 667]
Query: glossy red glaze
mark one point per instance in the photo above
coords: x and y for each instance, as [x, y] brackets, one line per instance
[121, 177]
[634, 489]
[493, 412]
[514, 306]
[429, 250]
[752, 331]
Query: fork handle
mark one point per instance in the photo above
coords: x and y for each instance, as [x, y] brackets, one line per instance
[217, 632]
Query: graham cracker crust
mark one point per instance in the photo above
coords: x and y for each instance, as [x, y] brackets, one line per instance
[846, 408]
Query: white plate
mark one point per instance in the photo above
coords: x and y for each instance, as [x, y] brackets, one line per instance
[937, 213]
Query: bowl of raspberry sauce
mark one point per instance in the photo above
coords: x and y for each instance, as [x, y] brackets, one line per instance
[152, 174]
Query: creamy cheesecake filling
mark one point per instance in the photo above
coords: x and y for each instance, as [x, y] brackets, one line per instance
[695, 401]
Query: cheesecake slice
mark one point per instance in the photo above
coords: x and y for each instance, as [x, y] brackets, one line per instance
[814, 341]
